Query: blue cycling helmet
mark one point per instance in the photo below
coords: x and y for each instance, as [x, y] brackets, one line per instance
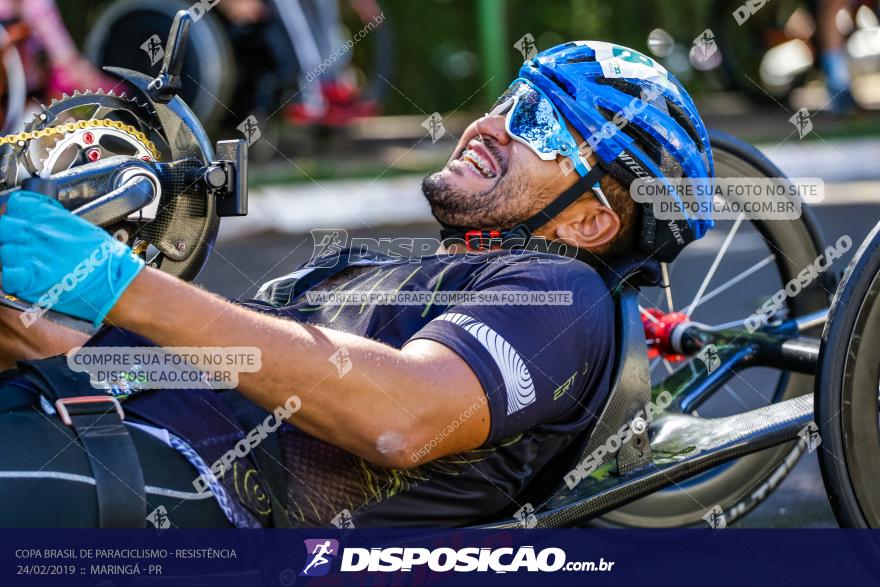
[591, 82]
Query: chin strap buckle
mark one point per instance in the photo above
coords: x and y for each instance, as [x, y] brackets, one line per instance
[484, 240]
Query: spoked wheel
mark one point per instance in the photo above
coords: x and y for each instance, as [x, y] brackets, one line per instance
[847, 386]
[724, 278]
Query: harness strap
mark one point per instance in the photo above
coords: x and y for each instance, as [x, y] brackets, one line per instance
[119, 480]
[97, 421]
[518, 236]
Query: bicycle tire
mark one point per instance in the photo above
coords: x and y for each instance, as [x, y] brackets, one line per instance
[846, 412]
[209, 71]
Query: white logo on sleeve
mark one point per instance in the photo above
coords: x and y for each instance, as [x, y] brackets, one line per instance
[517, 379]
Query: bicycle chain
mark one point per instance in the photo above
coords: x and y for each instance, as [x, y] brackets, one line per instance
[20, 138]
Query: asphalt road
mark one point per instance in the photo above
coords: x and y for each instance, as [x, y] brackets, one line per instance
[238, 267]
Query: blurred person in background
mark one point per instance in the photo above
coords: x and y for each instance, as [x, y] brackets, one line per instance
[243, 11]
[67, 70]
[833, 57]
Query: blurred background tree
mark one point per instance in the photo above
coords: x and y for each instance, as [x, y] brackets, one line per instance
[439, 59]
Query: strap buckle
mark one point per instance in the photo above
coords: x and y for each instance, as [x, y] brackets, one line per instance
[61, 406]
[481, 236]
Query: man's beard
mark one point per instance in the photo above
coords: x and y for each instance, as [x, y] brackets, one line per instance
[494, 208]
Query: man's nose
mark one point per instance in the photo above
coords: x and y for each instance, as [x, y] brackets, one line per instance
[493, 126]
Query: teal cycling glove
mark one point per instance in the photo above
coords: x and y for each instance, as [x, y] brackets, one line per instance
[56, 260]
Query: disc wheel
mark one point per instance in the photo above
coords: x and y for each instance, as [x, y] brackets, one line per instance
[722, 278]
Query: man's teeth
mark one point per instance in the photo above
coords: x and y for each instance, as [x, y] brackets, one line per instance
[478, 163]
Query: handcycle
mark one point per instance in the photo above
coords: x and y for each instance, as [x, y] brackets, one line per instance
[667, 448]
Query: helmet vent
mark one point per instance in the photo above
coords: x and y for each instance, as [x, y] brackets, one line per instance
[645, 143]
[620, 85]
[684, 122]
[581, 59]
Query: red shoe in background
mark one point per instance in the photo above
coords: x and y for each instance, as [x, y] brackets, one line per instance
[342, 104]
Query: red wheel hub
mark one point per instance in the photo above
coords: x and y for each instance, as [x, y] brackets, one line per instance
[659, 327]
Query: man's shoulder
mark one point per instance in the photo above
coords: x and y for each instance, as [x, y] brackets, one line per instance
[538, 264]
[543, 271]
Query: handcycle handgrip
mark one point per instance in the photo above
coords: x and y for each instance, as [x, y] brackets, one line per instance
[83, 186]
[133, 195]
[166, 85]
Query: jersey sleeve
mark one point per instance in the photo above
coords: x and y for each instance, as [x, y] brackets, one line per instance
[547, 362]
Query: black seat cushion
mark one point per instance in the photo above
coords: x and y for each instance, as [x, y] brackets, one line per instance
[635, 269]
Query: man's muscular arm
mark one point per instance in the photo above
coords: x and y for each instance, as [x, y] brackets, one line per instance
[391, 404]
[39, 340]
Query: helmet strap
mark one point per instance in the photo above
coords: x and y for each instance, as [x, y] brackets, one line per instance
[519, 236]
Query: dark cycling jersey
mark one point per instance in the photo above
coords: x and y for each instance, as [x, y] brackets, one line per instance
[545, 368]
[544, 363]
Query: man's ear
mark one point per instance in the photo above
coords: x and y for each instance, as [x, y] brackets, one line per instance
[587, 224]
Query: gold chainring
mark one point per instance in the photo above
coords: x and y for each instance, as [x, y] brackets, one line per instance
[20, 138]
[68, 127]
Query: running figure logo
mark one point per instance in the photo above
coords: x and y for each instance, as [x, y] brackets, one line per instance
[434, 125]
[327, 244]
[710, 357]
[250, 129]
[159, 518]
[716, 518]
[153, 48]
[526, 46]
[705, 46]
[802, 122]
[321, 553]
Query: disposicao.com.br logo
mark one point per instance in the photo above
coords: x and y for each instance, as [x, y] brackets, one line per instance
[319, 556]
[444, 559]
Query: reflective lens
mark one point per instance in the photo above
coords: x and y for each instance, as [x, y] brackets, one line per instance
[533, 120]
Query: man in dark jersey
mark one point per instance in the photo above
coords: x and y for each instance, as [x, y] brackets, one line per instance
[427, 414]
